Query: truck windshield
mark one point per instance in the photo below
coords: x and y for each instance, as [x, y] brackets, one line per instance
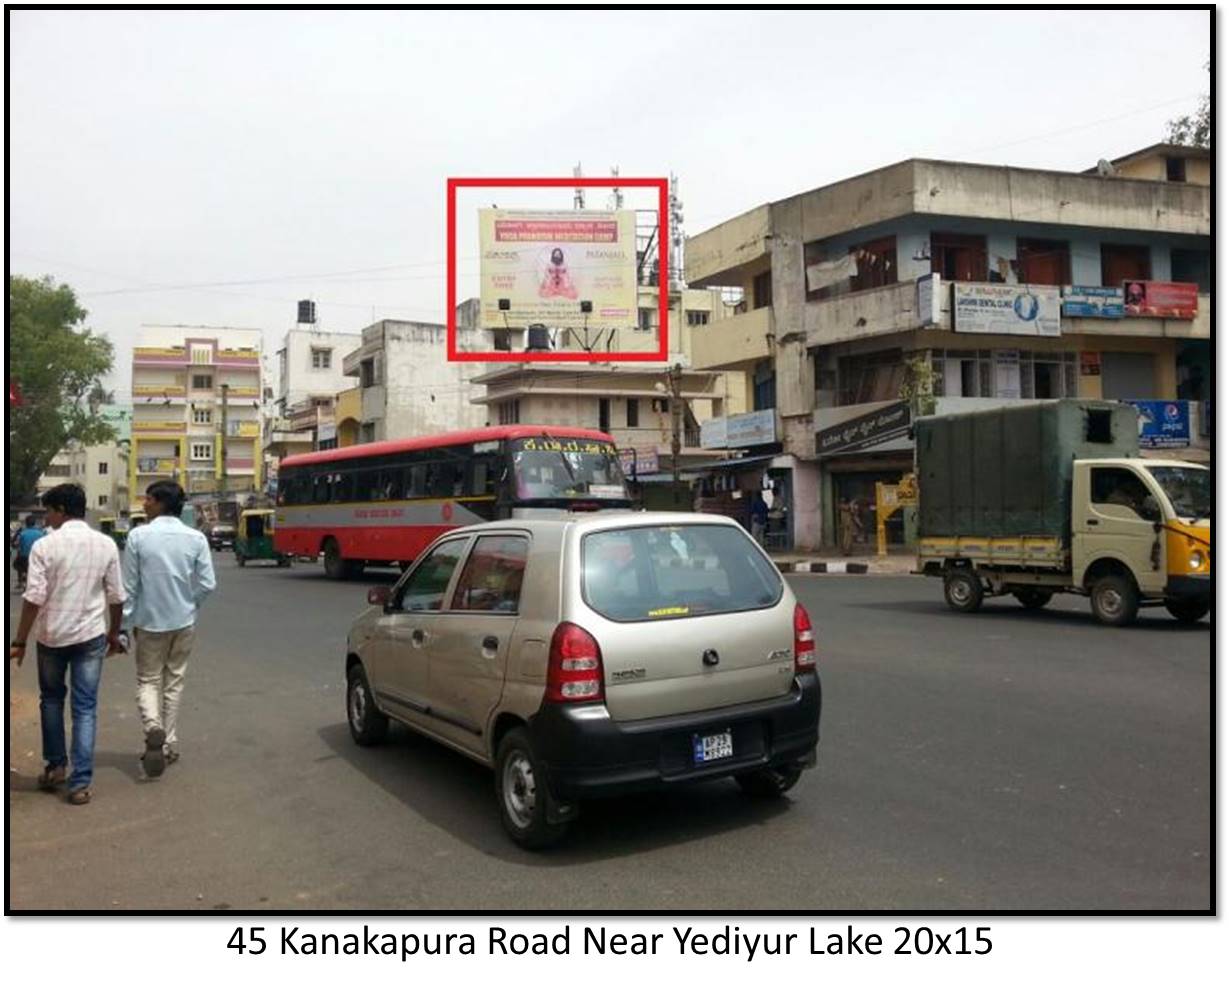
[559, 470]
[1189, 489]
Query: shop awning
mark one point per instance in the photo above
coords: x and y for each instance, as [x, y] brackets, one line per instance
[734, 462]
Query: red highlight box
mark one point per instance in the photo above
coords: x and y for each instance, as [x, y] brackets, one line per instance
[663, 296]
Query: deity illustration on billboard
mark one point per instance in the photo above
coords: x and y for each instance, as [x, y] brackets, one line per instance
[555, 280]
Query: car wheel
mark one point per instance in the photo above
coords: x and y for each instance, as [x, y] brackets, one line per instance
[962, 589]
[1115, 600]
[1033, 598]
[520, 788]
[1187, 612]
[368, 725]
[334, 563]
[771, 781]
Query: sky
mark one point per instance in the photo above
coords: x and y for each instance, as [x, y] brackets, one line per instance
[212, 167]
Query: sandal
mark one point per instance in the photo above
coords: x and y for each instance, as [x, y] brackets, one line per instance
[52, 777]
[79, 796]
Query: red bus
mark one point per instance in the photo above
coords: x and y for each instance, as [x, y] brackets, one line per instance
[384, 502]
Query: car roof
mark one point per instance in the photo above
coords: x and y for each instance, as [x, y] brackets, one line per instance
[588, 522]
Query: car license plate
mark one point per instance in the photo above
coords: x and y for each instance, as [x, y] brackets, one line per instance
[706, 749]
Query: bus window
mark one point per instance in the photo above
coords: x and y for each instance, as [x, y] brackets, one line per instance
[320, 487]
[392, 483]
[418, 481]
[366, 486]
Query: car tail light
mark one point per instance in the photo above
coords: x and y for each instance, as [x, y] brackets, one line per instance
[574, 671]
[804, 641]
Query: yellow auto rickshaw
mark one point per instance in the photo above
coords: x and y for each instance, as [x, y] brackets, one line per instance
[254, 538]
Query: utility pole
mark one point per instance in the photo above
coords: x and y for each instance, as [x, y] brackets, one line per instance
[225, 395]
[676, 422]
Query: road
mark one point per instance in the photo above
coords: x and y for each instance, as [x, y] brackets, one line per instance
[1003, 760]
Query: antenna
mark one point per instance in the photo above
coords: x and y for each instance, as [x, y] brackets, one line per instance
[617, 198]
[578, 200]
[676, 234]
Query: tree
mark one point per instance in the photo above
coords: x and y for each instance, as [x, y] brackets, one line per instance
[1193, 130]
[56, 362]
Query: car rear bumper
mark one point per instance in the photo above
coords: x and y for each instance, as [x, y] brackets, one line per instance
[1189, 588]
[588, 754]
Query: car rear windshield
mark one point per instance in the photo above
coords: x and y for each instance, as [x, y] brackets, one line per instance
[644, 573]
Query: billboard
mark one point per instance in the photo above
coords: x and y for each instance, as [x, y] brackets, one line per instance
[1174, 300]
[745, 430]
[545, 266]
[1093, 301]
[861, 432]
[1164, 424]
[1020, 310]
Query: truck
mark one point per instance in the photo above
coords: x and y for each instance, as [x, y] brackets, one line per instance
[1038, 498]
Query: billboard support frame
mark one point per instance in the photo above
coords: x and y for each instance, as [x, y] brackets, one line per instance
[571, 182]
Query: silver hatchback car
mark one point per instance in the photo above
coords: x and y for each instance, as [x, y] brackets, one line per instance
[593, 654]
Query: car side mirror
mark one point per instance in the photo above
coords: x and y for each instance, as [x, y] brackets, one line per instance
[379, 595]
[1150, 510]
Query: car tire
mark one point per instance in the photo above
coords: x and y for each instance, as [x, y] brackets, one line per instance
[334, 563]
[770, 782]
[520, 790]
[368, 725]
[1033, 598]
[962, 589]
[1187, 613]
[1115, 600]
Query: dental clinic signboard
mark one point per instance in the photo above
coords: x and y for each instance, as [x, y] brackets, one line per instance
[1015, 310]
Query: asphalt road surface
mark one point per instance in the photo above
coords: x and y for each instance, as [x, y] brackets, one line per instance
[1004, 760]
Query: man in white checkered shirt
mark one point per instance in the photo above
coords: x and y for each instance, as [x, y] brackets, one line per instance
[74, 582]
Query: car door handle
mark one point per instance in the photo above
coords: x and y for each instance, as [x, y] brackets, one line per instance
[490, 643]
[418, 637]
[1092, 522]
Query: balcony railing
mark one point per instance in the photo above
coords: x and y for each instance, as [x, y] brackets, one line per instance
[732, 341]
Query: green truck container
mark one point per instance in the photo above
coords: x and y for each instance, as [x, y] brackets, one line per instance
[1007, 471]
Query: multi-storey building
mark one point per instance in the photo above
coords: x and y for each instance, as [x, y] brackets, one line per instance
[955, 285]
[101, 469]
[197, 394]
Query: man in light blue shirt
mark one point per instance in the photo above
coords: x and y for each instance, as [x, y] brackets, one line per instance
[168, 572]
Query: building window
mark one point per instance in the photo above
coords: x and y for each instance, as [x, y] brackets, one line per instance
[1043, 262]
[645, 320]
[201, 451]
[102, 501]
[1175, 169]
[872, 377]
[633, 412]
[1125, 263]
[509, 412]
[761, 290]
[202, 382]
[603, 415]
[1189, 265]
[202, 417]
[58, 471]
[322, 358]
[103, 467]
[366, 432]
[764, 386]
[876, 264]
[367, 373]
[697, 317]
[1005, 374]
[958, 257]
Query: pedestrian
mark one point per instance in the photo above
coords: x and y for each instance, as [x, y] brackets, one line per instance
[759, 517]
[859, 523]
[24, 542]
[74, 581]
[845, 526]
[168, 572]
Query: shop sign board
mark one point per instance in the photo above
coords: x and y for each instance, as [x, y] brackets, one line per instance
[1090, 363]
[864, 431]
[1173, 300]
[1018, 310]
[746, 430]
[637, 462]
[1164, 424]
[1093, 301]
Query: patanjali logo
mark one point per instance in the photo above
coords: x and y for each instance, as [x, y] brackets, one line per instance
[1026, 306]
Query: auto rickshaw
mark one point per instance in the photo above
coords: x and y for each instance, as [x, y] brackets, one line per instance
[254, 538]
[106, 526]
[136, 517]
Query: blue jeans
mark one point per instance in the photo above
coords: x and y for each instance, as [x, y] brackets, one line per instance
[54, 663]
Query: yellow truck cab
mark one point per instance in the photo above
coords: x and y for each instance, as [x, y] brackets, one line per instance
[1012, 503]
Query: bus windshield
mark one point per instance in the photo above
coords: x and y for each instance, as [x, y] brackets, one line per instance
[549, 469]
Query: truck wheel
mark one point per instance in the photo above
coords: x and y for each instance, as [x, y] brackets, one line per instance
[962, 589]
[1033, 598]
[1114, 600]
[334, 563]
[1187, 612]
[520, 788]
[368, 726]
[770, 782]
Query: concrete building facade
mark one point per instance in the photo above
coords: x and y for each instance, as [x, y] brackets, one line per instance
[197, 396]
[848, 296]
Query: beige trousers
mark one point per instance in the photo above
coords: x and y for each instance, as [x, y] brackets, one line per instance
[162, 662]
